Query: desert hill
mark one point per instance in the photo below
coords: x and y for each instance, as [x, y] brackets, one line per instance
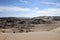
[41, 23]
[37, 28]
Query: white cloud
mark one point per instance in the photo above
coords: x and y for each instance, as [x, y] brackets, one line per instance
[31, 12]
[47, 12]
[53, 3]
[6, 8]
[24, 1]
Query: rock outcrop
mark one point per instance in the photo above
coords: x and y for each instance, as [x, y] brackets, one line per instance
[26, 24]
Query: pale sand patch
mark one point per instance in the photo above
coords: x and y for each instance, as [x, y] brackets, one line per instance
[30, 36]
[57, 30]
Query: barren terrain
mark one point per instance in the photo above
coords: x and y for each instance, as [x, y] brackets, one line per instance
[38, 28]
[30, 36]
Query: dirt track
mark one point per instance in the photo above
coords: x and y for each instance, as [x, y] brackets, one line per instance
[30, 36]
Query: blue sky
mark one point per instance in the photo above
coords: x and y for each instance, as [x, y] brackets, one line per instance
[29, 8]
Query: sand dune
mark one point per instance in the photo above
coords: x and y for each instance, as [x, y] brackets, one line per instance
[30, 36]
[57, 30]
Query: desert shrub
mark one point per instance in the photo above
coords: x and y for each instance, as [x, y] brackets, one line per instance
[3, 31]
[13, 32]
[21, 30]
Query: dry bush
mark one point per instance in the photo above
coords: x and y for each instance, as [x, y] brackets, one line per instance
[3, 31]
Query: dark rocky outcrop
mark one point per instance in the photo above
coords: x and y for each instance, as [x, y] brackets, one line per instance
[26, 24]
[9, 22]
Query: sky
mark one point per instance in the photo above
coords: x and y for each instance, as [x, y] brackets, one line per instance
[29, 8]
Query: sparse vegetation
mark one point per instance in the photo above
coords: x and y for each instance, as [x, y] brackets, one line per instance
[26, 24]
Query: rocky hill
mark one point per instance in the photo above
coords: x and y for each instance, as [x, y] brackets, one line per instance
[25, 24]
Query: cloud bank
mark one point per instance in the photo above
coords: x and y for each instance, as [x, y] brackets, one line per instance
[47, 12]
[13, 8]
[31, 12]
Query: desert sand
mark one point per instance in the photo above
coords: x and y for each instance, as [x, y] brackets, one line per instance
[57, 30]
[23, 30]
[30, 36]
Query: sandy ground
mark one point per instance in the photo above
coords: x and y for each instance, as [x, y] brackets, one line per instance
[57, 30]
[30, 36]
[53, 34]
